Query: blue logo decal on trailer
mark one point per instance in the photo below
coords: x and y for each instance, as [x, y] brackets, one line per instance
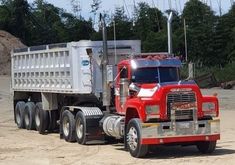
[85, 62]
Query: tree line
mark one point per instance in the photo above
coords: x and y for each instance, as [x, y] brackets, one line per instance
[210, 38]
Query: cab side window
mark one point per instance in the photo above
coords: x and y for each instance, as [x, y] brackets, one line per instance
[123, 72]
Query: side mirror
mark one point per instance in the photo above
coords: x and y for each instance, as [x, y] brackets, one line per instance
[134, 87]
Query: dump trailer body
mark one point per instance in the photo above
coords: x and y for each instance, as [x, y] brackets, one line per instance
[66, 67]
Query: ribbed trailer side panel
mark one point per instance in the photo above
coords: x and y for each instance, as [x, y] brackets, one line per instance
[48, 70]
[65, 68]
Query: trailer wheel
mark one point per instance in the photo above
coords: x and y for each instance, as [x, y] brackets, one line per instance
[68, 126]
[29, 115]
[80, 128]
[19, 111]
[41, 118]
[206, 147]
[53, 120]
[133, 134]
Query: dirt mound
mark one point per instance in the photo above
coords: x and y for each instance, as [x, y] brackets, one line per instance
[7, 43]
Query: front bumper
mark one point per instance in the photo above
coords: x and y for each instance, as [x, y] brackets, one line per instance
[183, 131]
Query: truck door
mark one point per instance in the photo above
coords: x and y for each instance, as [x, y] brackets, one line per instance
[122, 88]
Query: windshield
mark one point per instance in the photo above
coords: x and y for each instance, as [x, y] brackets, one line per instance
[151, 75]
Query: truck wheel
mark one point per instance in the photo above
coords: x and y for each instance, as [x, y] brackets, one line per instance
[133, 134]
[206, 147]
[53, 120]
[19, 111]
[80, 128]
[29, 115]
[68, 126]
[41, 118]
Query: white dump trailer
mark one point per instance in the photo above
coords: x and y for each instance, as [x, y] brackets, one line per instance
[66, 67]
[50, 79]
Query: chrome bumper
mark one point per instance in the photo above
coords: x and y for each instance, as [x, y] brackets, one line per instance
[180, 129]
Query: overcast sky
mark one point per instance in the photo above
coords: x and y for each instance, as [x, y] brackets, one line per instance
[109, 5]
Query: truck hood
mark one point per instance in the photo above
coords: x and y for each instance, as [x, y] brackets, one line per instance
[148, 90]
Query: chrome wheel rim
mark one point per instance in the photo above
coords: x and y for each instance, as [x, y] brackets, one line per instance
[79, 129]
[37, 118]
[132, 138]
[66, 126]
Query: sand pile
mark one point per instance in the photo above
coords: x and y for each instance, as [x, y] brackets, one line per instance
[7, 43]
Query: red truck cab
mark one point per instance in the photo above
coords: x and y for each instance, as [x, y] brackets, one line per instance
[159, 108]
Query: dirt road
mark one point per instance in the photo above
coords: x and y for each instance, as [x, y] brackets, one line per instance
[18, 146]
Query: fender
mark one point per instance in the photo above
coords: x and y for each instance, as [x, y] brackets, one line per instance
[133, 105]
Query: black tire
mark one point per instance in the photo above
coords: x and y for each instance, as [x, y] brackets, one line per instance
[19, 113]
[80, 128]
[29, 116]
[53, 120]
[41, 119]
[133, 145]
[206, 147]
[68, 126]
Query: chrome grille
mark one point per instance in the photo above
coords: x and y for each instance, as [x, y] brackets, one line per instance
[181, 97]
[183, 114]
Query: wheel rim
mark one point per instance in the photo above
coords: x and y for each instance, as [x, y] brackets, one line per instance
[37, 118]
[66, 126]
[26, 119]
[18, 117]
[132, 138]
[79, 129]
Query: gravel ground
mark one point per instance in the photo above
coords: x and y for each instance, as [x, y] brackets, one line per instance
[19, 146]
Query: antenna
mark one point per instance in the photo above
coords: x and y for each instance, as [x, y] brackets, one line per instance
[114, 40]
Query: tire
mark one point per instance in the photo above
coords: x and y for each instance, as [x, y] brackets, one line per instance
[133, 139]
[53, 120]
[29, 116]
[68, 126]
[206, 147]
[41, 119]
[19, 113]
[80, 128]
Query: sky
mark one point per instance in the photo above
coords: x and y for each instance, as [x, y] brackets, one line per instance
[109, 5]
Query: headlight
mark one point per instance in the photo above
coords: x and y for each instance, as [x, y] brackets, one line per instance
[209, 106]
[152, 112]
[209, 109]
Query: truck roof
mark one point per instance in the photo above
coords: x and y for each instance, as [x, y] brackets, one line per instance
[152, 62]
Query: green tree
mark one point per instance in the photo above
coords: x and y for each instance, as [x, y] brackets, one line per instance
[148, 20]
[225, 37]
[201, 26]
[123, 26]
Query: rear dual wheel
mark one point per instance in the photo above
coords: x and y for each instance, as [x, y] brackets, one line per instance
[80, 128]
[45, 120]
[74, 128]
[19, 114]
[29, 116]
[41, 118]
[68, 126]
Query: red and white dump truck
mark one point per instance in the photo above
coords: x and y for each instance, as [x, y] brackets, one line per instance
[78, 88]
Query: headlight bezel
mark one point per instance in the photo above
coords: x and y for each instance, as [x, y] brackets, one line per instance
[152, 111]
[209, 109]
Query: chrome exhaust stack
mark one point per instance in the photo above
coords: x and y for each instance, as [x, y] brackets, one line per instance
[106, 89]
[169, 33]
